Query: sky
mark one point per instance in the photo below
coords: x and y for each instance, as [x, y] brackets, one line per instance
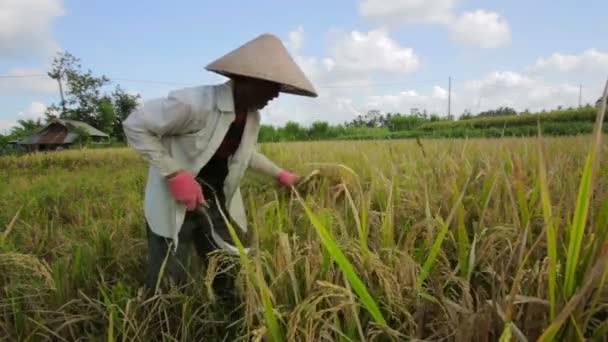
[387, 55]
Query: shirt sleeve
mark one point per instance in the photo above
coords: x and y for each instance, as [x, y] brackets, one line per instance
[145, 127]
[261, 164]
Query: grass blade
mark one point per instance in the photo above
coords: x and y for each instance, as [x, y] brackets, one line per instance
[463, 243]
[595, 276]
[430, 260]
[111, 324]
[582, 205]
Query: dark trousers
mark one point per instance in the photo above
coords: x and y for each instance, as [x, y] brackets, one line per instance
[195, 231]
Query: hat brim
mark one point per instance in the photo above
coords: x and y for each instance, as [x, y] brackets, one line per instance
[283, 88]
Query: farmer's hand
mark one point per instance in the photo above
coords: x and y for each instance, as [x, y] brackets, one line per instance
[287, 178]
[186, 190]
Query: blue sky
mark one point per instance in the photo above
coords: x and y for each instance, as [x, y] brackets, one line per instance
[392, 55]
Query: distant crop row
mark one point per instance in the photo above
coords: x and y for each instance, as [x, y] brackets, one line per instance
[562, 116]
[547, 129]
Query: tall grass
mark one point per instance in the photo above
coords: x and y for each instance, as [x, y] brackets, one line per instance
[456, 240]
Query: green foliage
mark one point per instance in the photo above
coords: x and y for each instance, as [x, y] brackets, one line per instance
[106, 115]
[268, 134]
[501, 111]
[82, 93]
[293, 131]
[84, 99]
[124, 104]
[404, 122]
[23, 129]
[319, 130]
[83, 136]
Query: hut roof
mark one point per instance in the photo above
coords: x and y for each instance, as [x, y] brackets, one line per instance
[79, 124]
[41, 137]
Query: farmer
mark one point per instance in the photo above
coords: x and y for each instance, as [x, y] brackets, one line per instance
[199, 141]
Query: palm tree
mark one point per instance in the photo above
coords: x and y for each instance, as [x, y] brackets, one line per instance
[25, 128]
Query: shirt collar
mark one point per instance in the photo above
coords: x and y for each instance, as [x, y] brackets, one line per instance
[224, 97]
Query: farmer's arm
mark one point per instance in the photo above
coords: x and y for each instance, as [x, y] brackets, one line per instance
[261, 164]
[145, 127]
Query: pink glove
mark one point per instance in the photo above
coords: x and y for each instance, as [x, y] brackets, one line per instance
[186, 190]
[287, 178]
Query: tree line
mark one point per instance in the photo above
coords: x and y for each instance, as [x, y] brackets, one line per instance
[495, 122]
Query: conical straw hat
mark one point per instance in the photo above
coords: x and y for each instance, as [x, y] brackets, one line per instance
[266, 58]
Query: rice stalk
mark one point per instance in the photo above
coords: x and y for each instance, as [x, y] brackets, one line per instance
[345, 265]
[550, 231]
[255, 274]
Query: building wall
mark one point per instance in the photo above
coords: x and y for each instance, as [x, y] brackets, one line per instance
[55, 134]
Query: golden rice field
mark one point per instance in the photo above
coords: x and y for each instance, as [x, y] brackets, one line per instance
[437, 240]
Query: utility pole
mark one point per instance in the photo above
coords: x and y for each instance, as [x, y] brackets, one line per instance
[58, 75]
[61, 92]
[580, 96]
[449, 96]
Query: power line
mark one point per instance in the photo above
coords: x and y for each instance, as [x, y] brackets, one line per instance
[366, 85]
[22, 76]
[326, 86]
[149, 81]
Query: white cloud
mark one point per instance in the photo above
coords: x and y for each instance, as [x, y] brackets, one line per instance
[499, 88]
[34, 111]
[354, 61]
[296, 39]
[519, 91]
[440, 93]
[373, 51]
[590, 60]
[498, 81]
[405, 101]
[6, 125]
[346, 78]
[23, 83]
[481, 28]
[26, 26]
[407, 11]
[355, 58]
